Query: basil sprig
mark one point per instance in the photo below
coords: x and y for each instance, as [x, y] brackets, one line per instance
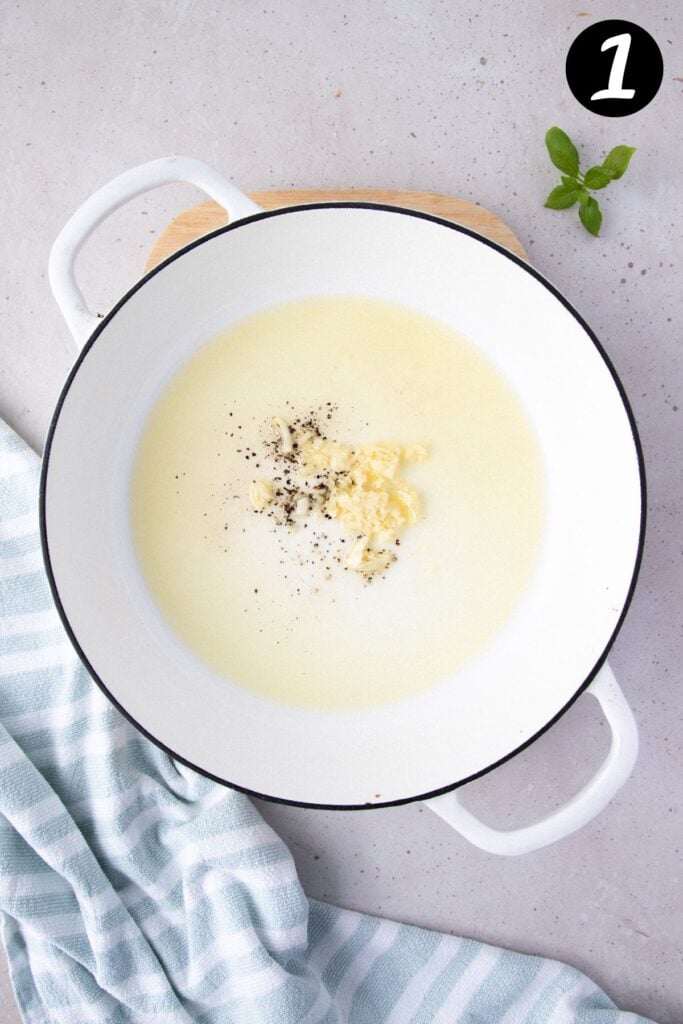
[576, 187]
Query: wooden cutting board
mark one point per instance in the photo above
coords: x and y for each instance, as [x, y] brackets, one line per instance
[208, 216]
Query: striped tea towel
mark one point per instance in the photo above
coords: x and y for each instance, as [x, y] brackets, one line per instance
[135, 890]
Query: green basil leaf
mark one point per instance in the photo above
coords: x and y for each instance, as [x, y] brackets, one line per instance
[562, 197]
[617, 160]
[570, 182]
[591, 215]
[597, 177]
[562, 151]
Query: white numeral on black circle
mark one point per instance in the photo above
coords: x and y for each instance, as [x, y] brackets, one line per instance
[615, 84]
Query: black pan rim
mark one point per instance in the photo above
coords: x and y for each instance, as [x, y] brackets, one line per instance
[237, 225]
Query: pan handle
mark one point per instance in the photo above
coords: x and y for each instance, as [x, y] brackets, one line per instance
[578, 811]
[109, 198]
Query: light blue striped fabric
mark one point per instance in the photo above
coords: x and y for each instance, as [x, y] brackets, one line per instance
[134, 890]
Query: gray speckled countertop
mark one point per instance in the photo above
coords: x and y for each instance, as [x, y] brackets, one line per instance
[445, 97]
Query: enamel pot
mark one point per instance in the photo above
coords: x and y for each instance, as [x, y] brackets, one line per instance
[555, 645]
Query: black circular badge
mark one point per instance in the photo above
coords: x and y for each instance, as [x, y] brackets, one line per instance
[614, 68]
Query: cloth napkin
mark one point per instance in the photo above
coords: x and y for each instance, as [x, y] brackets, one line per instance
[135, 890]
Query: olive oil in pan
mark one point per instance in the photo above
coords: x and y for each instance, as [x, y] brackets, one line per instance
[272, 606]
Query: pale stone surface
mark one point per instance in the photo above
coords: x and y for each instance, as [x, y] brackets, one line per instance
[432, 96]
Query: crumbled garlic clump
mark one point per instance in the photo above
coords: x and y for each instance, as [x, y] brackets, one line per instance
[360, 487]
[317, 453]
[366, 496]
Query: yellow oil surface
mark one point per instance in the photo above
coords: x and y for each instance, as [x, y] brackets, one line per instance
[261, 603]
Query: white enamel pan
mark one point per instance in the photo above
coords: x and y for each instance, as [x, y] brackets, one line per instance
[555, 645]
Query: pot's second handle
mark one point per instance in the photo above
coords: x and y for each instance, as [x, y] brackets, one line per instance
[108, 199]
[578, 811]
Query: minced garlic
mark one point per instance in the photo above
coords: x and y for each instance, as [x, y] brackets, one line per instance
[261, 494]
[363, 559]
[360, 487]
[365, 493]
[286, 444]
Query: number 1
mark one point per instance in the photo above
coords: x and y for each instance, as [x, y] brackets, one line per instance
[615, 84]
